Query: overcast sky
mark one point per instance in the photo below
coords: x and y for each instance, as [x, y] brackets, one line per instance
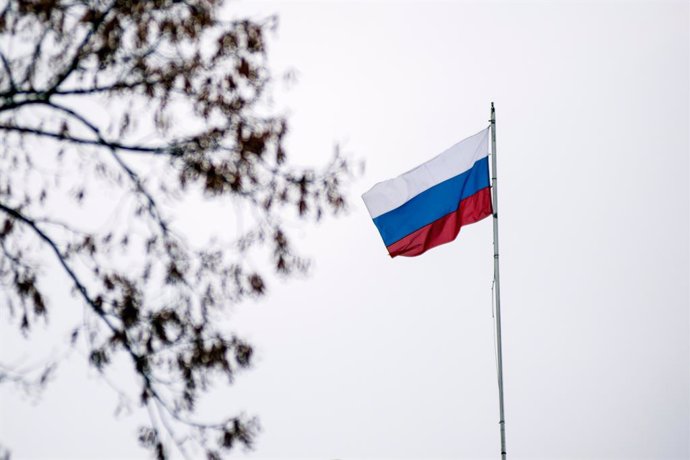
[372, 357]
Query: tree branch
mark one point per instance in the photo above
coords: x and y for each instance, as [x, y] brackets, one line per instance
[61, 259]
[6, 65]
[31, 68]
[70, 272]
[151, 203]
[78, 54]
[80, 287]
[167, 150]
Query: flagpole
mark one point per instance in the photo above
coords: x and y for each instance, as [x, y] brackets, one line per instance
[497, 284]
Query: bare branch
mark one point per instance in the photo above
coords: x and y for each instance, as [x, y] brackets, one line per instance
[138, 184]
[79, 53]
[8, 69]
[94, 142]
[58, 254]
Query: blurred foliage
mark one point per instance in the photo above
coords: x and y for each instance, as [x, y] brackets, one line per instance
[150, 102]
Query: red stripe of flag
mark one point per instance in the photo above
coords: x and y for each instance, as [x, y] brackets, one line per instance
[444, 230]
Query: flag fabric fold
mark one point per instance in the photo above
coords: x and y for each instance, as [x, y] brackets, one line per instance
[426, 207]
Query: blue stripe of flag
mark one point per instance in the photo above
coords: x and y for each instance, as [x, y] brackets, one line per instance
[433, 203]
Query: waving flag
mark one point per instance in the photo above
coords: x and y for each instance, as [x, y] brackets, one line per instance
[427, 206]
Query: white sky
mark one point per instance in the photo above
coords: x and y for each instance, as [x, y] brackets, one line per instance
[370, 357]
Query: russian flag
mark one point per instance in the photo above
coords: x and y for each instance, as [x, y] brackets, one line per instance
[427, 206]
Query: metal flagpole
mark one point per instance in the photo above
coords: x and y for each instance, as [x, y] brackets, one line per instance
[497, 284]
